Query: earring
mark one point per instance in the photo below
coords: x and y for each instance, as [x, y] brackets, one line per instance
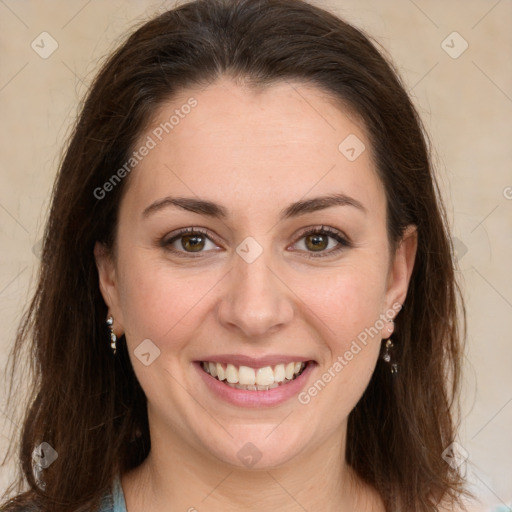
[113, 337]
[388, 353]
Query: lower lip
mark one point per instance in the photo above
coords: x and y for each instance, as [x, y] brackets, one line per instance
[246, 398]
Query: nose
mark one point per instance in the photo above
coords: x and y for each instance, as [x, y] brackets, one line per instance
[256, 301]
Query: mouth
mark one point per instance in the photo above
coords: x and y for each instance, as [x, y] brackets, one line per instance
[248, 378]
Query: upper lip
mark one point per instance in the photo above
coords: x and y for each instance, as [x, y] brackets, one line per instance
[255, 362]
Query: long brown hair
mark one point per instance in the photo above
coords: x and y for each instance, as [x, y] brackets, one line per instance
[87, 404]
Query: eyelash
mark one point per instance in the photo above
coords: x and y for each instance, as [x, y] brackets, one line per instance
[324, 230]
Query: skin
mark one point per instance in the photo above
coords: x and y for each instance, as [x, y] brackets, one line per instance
[268, 148]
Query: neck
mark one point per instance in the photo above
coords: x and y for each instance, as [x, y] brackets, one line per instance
[177, 476]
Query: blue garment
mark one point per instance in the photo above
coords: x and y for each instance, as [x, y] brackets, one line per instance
[114, 501]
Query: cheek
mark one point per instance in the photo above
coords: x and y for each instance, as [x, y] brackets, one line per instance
[157, 301]
[347, 300]
[348, 306]
[351, 333]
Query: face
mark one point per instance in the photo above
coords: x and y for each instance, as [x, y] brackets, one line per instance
[254, 286]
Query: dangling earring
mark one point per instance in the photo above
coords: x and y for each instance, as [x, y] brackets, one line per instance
[113, 337]
[388, 352]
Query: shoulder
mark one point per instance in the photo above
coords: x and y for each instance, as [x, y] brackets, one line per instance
[112, 500]
[32, 507]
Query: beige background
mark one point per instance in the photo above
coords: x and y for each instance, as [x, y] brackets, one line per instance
[466, 103]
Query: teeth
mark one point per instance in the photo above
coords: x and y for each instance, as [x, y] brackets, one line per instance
[260, 379]
[248, 387]
[279, 373]
[246, 375]
[289, 371]
[265, 376]
[220, 372]
[231, 374]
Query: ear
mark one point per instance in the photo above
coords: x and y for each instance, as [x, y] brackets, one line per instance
[108, 285]
[401, 268]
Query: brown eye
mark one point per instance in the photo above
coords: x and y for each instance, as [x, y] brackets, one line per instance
[192, 243]
[188, 241]
[318, 240]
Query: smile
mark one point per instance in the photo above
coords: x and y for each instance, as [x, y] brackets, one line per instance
[254, 379]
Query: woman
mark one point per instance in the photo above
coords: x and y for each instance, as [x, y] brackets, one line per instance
[247, 298]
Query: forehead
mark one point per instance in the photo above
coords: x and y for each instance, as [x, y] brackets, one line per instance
[267, 145]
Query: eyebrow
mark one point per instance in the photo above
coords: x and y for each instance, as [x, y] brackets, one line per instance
[214, 210]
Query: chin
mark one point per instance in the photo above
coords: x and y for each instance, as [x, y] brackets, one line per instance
[258, 446]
